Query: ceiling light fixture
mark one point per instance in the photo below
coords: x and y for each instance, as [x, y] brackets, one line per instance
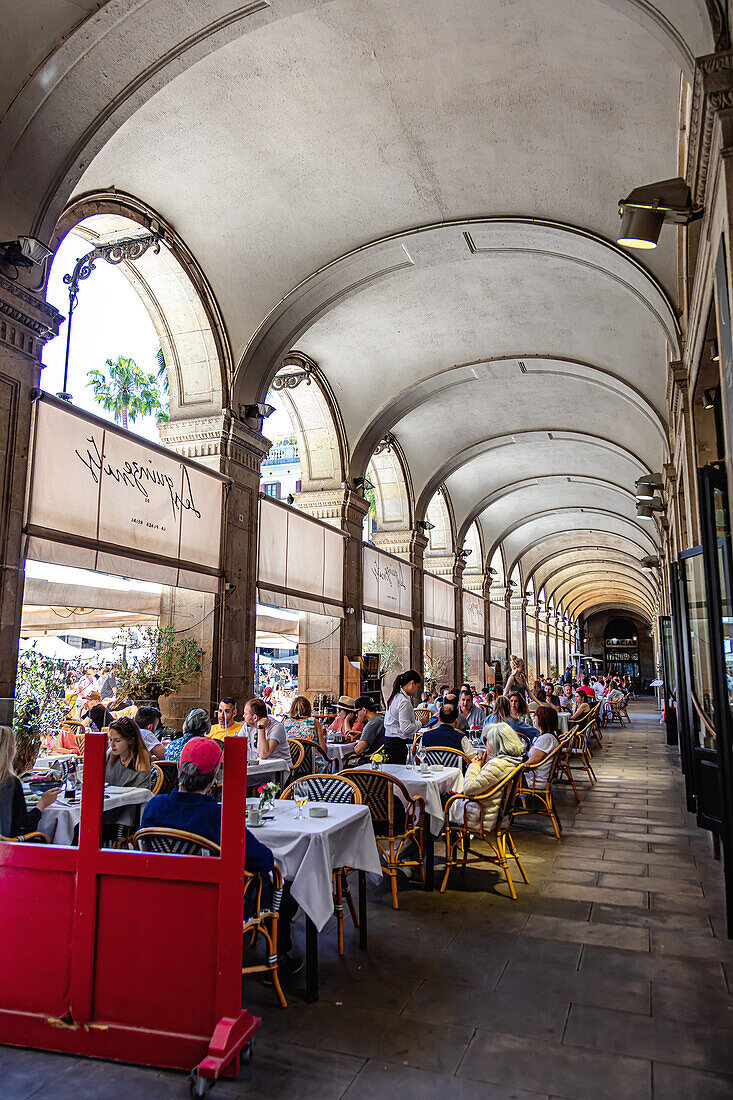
[648, 508]
[425, 525]
[708, 398]
[715, 354]
[645, 210]
[646, 486]
[24, 252]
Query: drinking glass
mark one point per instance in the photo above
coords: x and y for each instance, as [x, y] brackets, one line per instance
[301, 797]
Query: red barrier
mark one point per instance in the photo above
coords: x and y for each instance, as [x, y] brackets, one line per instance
[127, 955]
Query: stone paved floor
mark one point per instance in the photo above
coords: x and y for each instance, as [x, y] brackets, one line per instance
[609, 977]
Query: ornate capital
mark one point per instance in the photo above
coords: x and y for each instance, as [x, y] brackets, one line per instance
[712, 93]
[394, 542]
[26, 321]
[343, 508]
[677, 385]
[222, 441]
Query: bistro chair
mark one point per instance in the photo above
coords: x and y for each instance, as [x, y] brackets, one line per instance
[164, 776]
[563, 771]
[314, 758]
[624, 708]
[397, 818]
[341, 791]
[26, 838]
[595, 730]
[261, 920]
[423, 714]
[297, 754]
[174, 842]
[577, 751]
[543, 794]
[458, 835]
[448, 757]
[79, 735]
[615, 712]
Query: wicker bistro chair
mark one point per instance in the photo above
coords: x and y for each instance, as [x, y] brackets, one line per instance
[164, 776]
[397, 818]
[448, 757]
[576, 751]
[423, 714]
[624, 708]
[615, 712]
[334, 789]
[314, 758]
[498, 839]
[458, 851]
[79, 735]
[26, 838]
[262, 921]
[174, 842]
[543, 794]
[297, 755]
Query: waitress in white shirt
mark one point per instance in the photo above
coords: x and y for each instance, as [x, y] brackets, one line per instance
[400, 723]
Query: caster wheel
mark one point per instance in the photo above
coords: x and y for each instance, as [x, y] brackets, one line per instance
[198, 1086]
[247, 1052]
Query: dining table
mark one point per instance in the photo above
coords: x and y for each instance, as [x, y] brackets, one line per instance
[338, 752]
[308, 850]
[260, 771]
[60, 820]
[428, 786]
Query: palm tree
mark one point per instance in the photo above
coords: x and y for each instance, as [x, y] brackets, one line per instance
[163, 414]
[125, 390]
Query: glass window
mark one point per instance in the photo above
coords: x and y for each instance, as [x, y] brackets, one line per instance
[722, 529]
[697, 627]
[272, 489]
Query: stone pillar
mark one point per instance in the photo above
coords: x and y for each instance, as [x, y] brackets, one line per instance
[486, 593]
[236, 448]
[26, 323]
[518, 626]
[552, 642]
[500, 593]
[418, 546]
[459, 566]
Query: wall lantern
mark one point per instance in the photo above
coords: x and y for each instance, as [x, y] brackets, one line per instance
[645, 210]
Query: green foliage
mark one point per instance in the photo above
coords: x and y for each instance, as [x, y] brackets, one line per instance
[163, 414]
[125, 390]
[39, 703]
[166, 665]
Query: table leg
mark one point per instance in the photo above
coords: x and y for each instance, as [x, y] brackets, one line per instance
[311, 961]
[429, 844]
[362, 911]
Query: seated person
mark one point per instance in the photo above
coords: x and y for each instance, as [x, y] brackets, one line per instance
[15, 817]
[128, 761]
[148, 720]
[587, 689]
[567, 699]
[504, 751]
[192, 809]
[227, 723]
[511, 709]
[99, 718]
[473, 714]
[536, 687]
[550, 699]
[93, 699]
[446, 735]
[301, 723]
[346, 721]
[371, 737]
[64, 742]
[268, 735]
[545, 719]
[195, 724]
[582, 706]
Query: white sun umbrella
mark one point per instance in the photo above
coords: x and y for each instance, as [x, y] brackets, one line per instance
[53, 647]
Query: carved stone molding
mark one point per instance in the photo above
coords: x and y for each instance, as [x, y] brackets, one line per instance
[225, 438]
[26, 321]
[394, 542]
[712, 93]
[342, 505]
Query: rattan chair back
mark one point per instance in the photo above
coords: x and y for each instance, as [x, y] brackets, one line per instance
[313, 754]
[174, 842]
[423, 714]
[297, 753]
[164, 776]
[79, 735]
[328, 788]
[377, 789]
[447, 756]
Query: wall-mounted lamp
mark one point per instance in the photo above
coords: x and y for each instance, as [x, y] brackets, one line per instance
[465, 553]
[648, 508]
[651, 561]
[645, 210]
[361, 484]
[708, 398]
[257, 412]
[24, 252]
[493, 572]
[646, 486]
[714, 353]
[425, 525]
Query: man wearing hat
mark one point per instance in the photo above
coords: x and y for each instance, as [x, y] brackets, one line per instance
[346, 721]
[192, 809]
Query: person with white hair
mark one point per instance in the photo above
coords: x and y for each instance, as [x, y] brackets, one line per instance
[504, 751]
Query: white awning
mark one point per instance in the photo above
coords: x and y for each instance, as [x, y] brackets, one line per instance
[474, 614]
[497, 615]
[101, 498]
[439, 608]
[387, 589]
[300, 561]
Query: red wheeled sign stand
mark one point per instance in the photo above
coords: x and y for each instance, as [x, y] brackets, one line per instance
[80, 974]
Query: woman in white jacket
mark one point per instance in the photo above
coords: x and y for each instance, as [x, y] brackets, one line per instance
[400, 723]
[505, 749]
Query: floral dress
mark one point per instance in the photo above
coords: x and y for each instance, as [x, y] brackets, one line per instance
[305, 729]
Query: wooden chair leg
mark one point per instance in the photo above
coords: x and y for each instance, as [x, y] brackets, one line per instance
[448, 860]
[349, 899]
[517, 860]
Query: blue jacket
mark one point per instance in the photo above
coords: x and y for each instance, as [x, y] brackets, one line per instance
[199, 813]
[517, 725]
[442, 736]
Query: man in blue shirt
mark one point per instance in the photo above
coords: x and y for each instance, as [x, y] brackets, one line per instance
[192, 809]
[446, 735]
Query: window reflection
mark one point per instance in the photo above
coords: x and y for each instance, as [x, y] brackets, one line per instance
[700, 648]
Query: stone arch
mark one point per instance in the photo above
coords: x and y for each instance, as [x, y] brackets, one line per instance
[390, 475]
[176, 294]
[305, 396]
[473, 541]
[441, 537]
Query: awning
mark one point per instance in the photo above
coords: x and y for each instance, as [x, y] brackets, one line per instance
[474, 615]
[387, 589]
[439, 609]
[300, 561]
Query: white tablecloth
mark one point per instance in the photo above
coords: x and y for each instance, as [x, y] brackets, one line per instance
[339, 751]
[267, 769]
[60, 819]
[562, 720]
[430, 787]
[307, 852]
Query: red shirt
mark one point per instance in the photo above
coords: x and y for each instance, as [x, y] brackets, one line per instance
[588, 691]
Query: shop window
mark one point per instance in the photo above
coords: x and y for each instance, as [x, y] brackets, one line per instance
[272, 489]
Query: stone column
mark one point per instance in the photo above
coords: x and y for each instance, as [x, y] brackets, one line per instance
[26, 323]
[486, 593]
[226, 624]
[459, 566]
[552, 642]
[397, 543]
[418, 545]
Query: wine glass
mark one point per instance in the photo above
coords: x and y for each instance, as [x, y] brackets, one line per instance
[301, 797]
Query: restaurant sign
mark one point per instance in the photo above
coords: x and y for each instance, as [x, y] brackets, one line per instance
[387, 589]
[102, 498]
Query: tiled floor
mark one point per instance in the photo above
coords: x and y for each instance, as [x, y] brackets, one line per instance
[606, 979]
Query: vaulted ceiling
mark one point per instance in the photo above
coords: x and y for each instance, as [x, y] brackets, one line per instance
[422, 198]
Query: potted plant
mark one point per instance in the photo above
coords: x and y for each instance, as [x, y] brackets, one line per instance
[165, 664]
[39, 705]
